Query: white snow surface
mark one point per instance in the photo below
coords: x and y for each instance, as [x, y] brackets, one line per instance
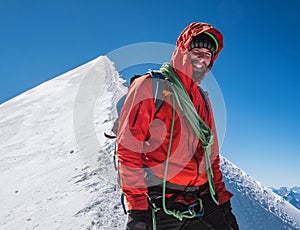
[48, 182]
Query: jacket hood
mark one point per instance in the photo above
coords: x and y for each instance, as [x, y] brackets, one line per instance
[180, 59]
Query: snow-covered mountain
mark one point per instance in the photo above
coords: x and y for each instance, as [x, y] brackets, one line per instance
[255, 205]
[57, 173]
[292, 195]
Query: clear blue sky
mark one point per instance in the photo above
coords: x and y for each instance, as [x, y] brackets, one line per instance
[257, 71]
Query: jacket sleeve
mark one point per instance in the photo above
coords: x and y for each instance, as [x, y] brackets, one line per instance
[222, 193]
[136, 116]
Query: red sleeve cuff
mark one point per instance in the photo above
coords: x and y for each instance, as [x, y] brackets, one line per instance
[224, 197]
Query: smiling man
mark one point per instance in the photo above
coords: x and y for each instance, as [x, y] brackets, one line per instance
[202, 50]
[169, 155]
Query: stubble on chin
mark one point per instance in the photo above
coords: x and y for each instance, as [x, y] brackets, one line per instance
[199, 74]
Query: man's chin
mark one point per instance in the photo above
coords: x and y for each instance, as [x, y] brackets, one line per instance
[198, 76]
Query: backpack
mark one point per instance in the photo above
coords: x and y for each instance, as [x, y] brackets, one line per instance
[158, 88]
[159, 85]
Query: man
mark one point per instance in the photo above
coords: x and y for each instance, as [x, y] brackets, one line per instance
[169, 156]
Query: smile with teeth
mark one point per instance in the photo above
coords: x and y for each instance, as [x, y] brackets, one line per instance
[199, 65]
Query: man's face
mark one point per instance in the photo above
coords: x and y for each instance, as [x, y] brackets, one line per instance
[200, 58]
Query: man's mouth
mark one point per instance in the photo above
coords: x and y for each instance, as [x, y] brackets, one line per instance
[199, 65]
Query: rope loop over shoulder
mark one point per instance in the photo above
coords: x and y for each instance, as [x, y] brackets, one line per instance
[200, 128]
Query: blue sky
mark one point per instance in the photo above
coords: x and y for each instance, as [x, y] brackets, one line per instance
[257, 71]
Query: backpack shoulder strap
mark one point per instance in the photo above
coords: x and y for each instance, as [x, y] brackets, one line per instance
[159, 85]
[204, 96]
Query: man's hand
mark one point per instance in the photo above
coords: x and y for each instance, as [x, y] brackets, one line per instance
[138, 220]
[226, 207]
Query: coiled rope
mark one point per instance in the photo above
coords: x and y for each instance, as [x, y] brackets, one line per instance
[200, 128]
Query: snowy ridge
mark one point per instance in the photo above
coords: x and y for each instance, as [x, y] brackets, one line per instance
[255, 205]
[105, 207]
[47, 183]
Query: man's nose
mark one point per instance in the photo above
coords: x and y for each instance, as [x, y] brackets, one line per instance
[200, 57]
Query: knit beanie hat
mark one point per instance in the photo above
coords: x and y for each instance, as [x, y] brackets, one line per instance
[205, 40]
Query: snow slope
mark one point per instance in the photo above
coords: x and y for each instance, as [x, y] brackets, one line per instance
[44, 180]
[53, 177]
[255, 205]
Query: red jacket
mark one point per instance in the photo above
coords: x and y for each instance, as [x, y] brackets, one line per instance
[144, 135]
